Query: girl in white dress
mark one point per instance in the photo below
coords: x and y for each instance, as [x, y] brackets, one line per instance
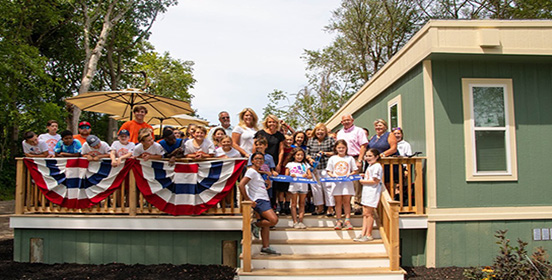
[298, 167]
[371, 193]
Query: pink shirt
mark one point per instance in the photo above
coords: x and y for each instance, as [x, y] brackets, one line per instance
[355, 138]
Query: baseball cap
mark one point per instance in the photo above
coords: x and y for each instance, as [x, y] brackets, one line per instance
[93, 140]
[124, 132]
[85, 123]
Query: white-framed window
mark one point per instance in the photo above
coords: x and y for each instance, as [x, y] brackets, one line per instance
[394, 112]
[489, 130]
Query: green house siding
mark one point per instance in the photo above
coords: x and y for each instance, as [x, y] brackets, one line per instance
[413, 252]
[467, 244]
[532, 88]
[410, 87]
[129, 247]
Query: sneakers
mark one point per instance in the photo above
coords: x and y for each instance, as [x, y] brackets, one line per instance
[255, 229]
[338, 225]
[299, 225]
[269, 251]
[364, 238]
[348, 224]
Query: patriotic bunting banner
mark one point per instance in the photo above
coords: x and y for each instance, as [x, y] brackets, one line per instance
[76, 182]
[289, 179]
[341, 179]
[186, 188]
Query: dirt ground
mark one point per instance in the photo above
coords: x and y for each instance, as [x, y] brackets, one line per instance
[15, 270]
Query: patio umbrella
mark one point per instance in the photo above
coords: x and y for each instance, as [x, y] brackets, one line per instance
[121, 103]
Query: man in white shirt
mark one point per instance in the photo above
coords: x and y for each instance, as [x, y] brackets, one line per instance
[32, 147]
[224, 119]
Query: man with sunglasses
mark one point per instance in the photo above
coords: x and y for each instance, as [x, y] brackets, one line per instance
[224, 119]
[84, 131]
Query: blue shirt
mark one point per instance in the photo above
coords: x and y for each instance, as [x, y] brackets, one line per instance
[74, 148]
[170, 149]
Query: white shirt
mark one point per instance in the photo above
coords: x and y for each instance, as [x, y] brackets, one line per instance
[341, 166]
[255, 188]
[40, 148]
[233, 153]
[404, 148]
[227, 130]
[121, 150]
[50, 140]
[87, 150]
[154, 149]
[246, 138]
[207, 147]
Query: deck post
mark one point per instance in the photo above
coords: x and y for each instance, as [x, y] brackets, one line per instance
[418, 185]
[394, 257]
[20, 187]
[246, 235]
[131, 194]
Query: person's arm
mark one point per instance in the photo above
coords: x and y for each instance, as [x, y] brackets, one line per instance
[64, 154]
[362, 152]
[280, 155]
[236, 144]
[244, 181]
[43, 154]
[392, 140]
[309, 174]
[370, 181]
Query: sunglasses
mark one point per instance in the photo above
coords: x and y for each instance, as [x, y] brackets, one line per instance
[396, 128]
[225, 118]
[84, 127]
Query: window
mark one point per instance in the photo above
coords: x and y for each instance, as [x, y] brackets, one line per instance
[489, 130]
[394, 112]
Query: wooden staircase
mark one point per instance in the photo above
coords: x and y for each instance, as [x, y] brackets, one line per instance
[320, 252]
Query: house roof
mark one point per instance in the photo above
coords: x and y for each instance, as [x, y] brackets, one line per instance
[500, 37]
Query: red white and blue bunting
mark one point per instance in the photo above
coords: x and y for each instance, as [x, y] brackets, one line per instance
[180, 189]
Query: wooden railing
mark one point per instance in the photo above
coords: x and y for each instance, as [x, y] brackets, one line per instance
[406, 183]
[126, 200]
[246, 235]
[388, 223]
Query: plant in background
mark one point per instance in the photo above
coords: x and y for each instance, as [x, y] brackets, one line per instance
[513, 263]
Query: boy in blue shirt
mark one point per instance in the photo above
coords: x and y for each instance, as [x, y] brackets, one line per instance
[67, 146]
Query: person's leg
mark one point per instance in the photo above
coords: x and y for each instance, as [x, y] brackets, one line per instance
[294, 207]
[317, 197]
[369, 219]
[347, 206]
[302, 197]
[269, 219]
[365, 221]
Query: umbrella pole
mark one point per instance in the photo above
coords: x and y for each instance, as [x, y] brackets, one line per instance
[160, 128]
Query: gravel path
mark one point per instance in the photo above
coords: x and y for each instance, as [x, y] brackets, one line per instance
[7, 208]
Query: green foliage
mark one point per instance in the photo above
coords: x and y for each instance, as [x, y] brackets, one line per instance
[513, 263]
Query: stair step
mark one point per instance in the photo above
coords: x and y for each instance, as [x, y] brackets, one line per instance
[376, 273]
[321, 256]
[317, 246]
[318, 221]
[317, 233]
[318, 241]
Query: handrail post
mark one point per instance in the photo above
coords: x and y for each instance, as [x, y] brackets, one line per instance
[132, 194]
[246, 235]
[419, 188]
[394, 236]
[19, 187]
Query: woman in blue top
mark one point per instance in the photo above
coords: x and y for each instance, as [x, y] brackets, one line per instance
[385, 142]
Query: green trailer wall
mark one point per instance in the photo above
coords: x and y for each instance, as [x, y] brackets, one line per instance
[466, 244]
[410, 87]
[532, 88]
[129, 247]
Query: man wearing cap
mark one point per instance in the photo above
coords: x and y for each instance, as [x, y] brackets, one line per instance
[84, 131]
[94, 148]
[224, 119]
[137, 123]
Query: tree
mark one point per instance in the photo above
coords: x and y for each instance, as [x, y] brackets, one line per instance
[98, 20]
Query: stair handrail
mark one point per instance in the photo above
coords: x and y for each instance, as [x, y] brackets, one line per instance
[388, 222]
[246, 235]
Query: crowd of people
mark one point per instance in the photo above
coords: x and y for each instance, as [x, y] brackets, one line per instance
[273, 148]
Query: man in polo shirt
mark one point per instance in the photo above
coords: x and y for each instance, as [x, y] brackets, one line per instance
[84, 131]
[356, 147]
[224, 119]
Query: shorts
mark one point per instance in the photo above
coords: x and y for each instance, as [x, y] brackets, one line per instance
[298, 188]
[343, 188]
[262, 206]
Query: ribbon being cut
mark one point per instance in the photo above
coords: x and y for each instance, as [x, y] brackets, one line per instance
[181, 189]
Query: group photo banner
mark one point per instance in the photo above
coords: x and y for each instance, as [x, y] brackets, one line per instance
[184, 188]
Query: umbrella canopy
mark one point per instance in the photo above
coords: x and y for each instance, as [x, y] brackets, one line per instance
[121, 103]
[176, 120]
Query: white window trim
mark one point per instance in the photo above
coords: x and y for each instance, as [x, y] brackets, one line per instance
[391, 103]
[469, 131]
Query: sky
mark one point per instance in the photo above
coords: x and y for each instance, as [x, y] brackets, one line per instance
[243, 49]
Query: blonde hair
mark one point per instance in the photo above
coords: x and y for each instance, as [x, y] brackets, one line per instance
[143, 133]
[202, 128]
[274, 118]
[318, 126]
[255, 118]
[382, 121]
